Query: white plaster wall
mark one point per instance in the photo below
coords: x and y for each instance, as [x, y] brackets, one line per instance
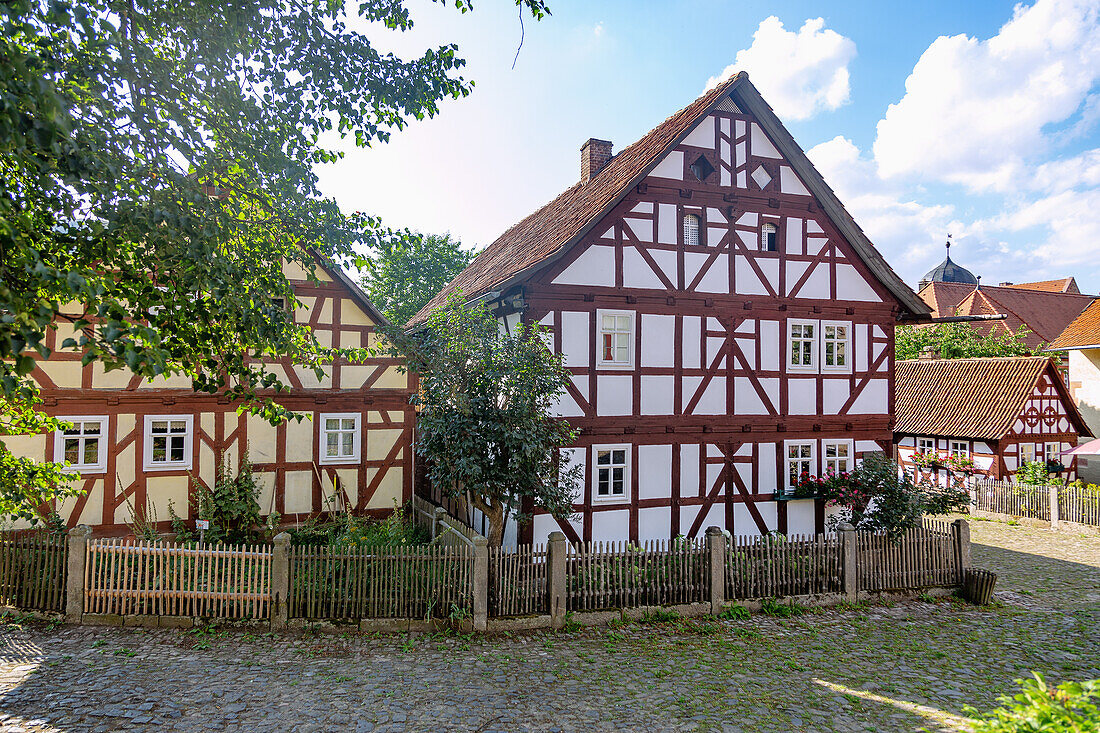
[594, 266]
[654, 471]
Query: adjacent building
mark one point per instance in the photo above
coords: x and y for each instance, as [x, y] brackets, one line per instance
[1081, 343]
[140, 445]
[727, 324]
[998, 413]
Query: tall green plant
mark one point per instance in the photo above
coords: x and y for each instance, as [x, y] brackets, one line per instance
[485, 422]
[231, 505]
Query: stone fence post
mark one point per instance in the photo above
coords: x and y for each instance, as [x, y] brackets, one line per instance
[437, 520]
[555, 578]
[74, 573]
[962, 546]
[280, 581]
[849, 560]
[479, 583]
[1055, 514]
[716, 552]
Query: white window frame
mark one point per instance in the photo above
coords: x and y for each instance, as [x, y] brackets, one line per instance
[698, 229]
[814, 342]
[100, 466]
[849, 459]
[611, 498]
[1030, 447]
[1051, 453]
[631, 338]
[958, 448]
[921, 442]
[323, 433]
[846, 367]
[763, 229]
[188, 443]
[812, 470]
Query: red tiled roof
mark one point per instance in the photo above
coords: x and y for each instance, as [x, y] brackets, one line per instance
[1045, 313]
[971, 398]
[1061, 285]
[547, 234]
[1083, 331]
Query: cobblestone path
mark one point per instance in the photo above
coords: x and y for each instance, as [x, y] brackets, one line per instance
[904, 667]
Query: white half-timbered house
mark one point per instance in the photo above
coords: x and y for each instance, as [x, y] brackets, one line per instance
[1001, 413]
[726, 322]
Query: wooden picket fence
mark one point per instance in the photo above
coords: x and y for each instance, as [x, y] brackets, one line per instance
[605, 575]
[32, 571]
[349, 583]
[774, 566]
[1080, 505]
[922, 557]
[169, 579]
[518, 581]
[1017, 500]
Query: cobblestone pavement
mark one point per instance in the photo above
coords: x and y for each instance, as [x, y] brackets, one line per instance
[903, 667]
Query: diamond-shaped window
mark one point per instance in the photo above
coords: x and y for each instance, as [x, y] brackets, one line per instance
[761, 177]
[702, 168]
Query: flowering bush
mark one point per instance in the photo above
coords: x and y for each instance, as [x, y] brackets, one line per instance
[929, 459]
[960, 464]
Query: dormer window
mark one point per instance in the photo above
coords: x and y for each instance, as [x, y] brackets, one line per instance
[702, 168]
[769, 238]
[691, 230]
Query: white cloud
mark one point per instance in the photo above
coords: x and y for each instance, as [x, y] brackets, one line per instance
[799, 73]
[974, 112]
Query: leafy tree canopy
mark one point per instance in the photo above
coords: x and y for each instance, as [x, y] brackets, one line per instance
[402, 275]
[960, 340]
[485, 422]
[158, 167]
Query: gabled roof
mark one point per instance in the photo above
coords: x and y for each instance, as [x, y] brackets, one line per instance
[972, 398]
[362, 300]
[1083, 332]
[1045, 313]
[1062, 285]
[549, 232]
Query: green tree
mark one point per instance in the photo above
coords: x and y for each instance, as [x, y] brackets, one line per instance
[485, 423]
[158, 167]
[960, 340]
[402, 275]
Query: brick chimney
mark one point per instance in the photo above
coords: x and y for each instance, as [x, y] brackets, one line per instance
[595, 154]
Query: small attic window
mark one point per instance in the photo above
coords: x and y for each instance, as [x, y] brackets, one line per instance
[702, 168]
[769, 234]
[691, 230]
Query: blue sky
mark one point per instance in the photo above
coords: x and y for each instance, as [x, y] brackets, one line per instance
[979, 118]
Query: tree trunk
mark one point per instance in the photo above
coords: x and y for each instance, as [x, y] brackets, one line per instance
[494, 512]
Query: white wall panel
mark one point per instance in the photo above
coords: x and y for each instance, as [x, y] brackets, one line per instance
[594, 266]
[575, 341]
[658, 395]
[658, 333]
[654, 471]
[614, 394]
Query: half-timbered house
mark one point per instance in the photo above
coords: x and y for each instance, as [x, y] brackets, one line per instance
[1000, 413]
[139, 444]
[726, 322]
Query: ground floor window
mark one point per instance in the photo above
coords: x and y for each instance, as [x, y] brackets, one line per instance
[1027, 453]
[1051, 451]
[168, 441]
[612, 471]
[838, 456]
[800, 460]
[83, 445]
[926, 445]
[340, 437]
[960, 448]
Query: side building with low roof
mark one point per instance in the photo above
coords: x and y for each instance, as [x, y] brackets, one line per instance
[1081, 344]
[1001, 413]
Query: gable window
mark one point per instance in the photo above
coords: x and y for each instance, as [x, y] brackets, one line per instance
[835, 346]
[926, 445]
[616, 344]
[702, 168]
[838, 456]
[691, 230]
[802, 352]
[1027, 453]
[769, 238]
[340, 437]
[612, 471]
[83, 445]
[168, 441]
[800, 460]
[960, 448]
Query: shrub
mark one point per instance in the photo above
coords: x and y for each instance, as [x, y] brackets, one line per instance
[1071, 706]
[775, 607]
[348, 530]
[1033, 474]
[231, 505]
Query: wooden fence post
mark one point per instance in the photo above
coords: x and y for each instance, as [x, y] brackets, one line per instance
[1055, 514]
[962, 547]
[716, 550]
[849, 560]
[555, 578]
[280, 581]
[74, 573]
[479, 583]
